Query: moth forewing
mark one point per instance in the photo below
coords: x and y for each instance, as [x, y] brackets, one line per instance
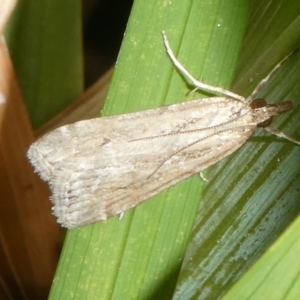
[137, 162]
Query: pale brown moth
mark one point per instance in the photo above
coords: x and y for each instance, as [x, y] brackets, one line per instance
[102, 167]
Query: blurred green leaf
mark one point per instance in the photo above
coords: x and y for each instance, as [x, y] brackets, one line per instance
[44, 41]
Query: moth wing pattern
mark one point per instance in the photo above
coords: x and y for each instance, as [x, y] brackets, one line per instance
[126, 159]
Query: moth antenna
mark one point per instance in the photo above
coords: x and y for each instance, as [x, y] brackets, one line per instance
[198, 84]
[263, 82]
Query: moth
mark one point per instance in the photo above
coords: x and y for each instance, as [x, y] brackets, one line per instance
[102, 167]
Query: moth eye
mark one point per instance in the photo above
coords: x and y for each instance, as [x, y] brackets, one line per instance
[257, 103]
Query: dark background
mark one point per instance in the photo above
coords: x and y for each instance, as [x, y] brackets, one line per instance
[104, 24]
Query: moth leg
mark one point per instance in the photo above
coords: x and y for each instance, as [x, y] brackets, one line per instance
[121, 215]
[281, 135]
[263, 82]
[202, 176]
[198, 84]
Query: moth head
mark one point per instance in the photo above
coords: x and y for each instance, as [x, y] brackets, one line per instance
[270, 109]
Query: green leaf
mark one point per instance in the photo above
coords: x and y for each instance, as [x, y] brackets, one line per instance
[254, 194]
[276, 274]
[140, 256]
